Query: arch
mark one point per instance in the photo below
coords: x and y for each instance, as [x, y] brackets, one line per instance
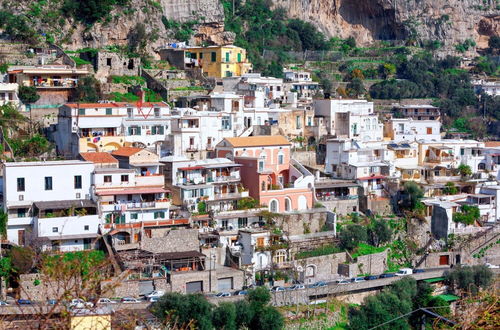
[112, 146]
[274, 206]
[138, 145]
[288, 204]
[481, 166]
[122, 237]
[279, 257]
[310, 271]
[302, 203]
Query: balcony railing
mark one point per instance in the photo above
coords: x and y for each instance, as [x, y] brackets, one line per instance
[223, 178]
[192, 148]
[231, 195]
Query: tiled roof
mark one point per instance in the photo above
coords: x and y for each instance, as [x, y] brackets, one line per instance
[92, 105]
[98, 157]
[258, 141]
[126, 151]
[492, 144]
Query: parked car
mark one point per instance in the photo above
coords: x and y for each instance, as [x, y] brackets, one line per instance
[223, 294]
[278, 288]
[24, 302]
[357, 279]
[80, 303]
[342, 281]
[416, 271]
[319, 284]
[153, 299]
[51, 302]
[129, 300]
[404, 272]
[491, 266]
[3, 303]
[387, 275]
[296, 287]
[156, 293]
[240, 293]
[371, 277]
[105, 301]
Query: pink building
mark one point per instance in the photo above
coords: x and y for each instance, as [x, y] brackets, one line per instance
[269, 173]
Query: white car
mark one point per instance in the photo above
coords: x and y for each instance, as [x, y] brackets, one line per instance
[80, 303]
[342, 281]
[156, 293]
[491, 266]
[404, 272]
[223, 294]
[3, 303]
[106, 301]
[129, 300]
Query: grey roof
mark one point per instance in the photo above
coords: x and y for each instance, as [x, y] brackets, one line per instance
[65, 204]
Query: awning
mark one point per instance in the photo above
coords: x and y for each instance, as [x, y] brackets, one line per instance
[448, 297]
[222, 165]
[78, 203]
[434, 280]
[192, 168]
[132, 191]
[372, 177]
[64, 237]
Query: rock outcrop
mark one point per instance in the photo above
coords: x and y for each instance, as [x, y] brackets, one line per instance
[449, 21]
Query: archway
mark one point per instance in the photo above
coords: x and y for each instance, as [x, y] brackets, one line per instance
[302, 203]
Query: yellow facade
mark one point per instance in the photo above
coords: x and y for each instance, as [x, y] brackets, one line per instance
[221, 61]
[91, 322]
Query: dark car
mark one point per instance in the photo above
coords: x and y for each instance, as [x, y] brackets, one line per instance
[24, 302]
[371, 277]
[418, 271]
[387, 275]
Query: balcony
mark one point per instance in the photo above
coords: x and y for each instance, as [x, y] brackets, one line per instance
[242, 194]
[55, 83]
[192, 148]
[150, 180]
[439, 159]
[224, 178]
[160, 204]
[210, 147]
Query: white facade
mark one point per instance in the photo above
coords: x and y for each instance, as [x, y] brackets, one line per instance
[251, 241]
[407, 129]
[489, 87]
[8, 94]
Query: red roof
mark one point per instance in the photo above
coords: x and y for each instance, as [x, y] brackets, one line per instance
[130, 191]
[372, 177]
[492, 144]
[99, 157]
[92, 105]
[192, 168]
[126, 151]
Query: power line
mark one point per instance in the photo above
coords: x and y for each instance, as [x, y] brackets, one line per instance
[407, 314]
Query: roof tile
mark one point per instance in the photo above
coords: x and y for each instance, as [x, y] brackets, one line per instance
[258, 141]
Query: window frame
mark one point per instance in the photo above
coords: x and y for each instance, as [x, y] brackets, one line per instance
[48, 183]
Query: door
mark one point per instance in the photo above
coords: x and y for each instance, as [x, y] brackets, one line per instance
[193, 287]
[225, 284]
[87, 243]
[20, 237]
[444, 260]
[145, 287]
[457, 259]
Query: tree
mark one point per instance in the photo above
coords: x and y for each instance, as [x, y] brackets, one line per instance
[224, 316]
[468, 214]
[352, 235]
[450, 188]
[5, 267]
[28, 94]
[22, 259]
[88, 90]
[379, 232]
[494, 43]
[356, 87]
[4, 218]
[412, 194]
[184, 310]
[269, 318]
[468, 280]
[244, 314]
[464, 170]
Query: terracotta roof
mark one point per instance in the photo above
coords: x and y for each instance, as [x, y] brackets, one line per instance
[92, 105]
[258, 141]
[126, 151]
[492, 144]
[98, 157]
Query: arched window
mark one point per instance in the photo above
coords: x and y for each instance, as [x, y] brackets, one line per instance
[310, 271]
[263, 186]
[279, 257]
[273, 206]
[302, 203]
[288, 204]
[481, 166]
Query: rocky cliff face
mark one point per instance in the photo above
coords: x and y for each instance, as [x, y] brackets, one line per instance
[450, 21]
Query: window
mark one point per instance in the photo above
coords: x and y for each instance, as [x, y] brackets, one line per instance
[273, 206]
[134, 130]
[124, 178]
[86, 227]
[78, 182]
[48, 183]
[20, 184]
[260, 241]
[201, 56]
[157, 130]
[157, 112]
[108, 61]
[158, 215]
[242, 222]
[281, 159]
[227, 56]
[107, 178]
[130, 112]
[278, 88]
[225, 224]
[109, 111]
[214, 56]
[239, 57]
[309, 121]
[226, 123]
[297, 122]
[261, 165]
[78, 195]
[134, 216]
[55, 229]
[429, 130]
[21, 213]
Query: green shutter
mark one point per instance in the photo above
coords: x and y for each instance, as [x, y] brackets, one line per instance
[227, 56]
[214, 57]
[161, 130]
[239, 57]
[138, 130]
[122, 218]
[130, 131]
[153, 130]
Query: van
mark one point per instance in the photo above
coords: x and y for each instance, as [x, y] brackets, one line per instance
[404, 272]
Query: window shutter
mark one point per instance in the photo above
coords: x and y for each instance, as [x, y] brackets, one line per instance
[138, 130]
[130, 131]
[161, 130]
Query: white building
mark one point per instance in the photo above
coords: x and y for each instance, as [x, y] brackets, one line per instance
[349, 119]
[489, 87]
[50, 202]
[301, 83]
[8, 94]
[408, 129]
[88, 127]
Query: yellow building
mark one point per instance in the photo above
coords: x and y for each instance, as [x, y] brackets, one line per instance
[83, 319]
[219, 61]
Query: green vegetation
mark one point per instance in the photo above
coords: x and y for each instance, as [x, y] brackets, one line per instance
[450, 188]
[468, 215]
[352, 235]
[465, 46]
[469, 279]
[128, 80]
[150, 96]
[464, 170]
[18, 27]
[4, 218]
[90, 11]
[247, 203]
[189, 88]
[30, 147]
[180, 31]
[412, 194]
[79, 61]
[321, 251]
[194, 311]
[83, 263]
[28, 94]
[88, 90]
[364, 249]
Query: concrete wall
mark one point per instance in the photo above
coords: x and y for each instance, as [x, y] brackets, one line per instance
[174, 241]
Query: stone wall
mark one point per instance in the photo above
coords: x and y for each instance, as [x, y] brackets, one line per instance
[342, 206]
[179, 280]
[375, 205]
[374, 264]
[173, 241]
[115, 289]
[322, 268]
[299, 223]
[437, 259]
[305, 157]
